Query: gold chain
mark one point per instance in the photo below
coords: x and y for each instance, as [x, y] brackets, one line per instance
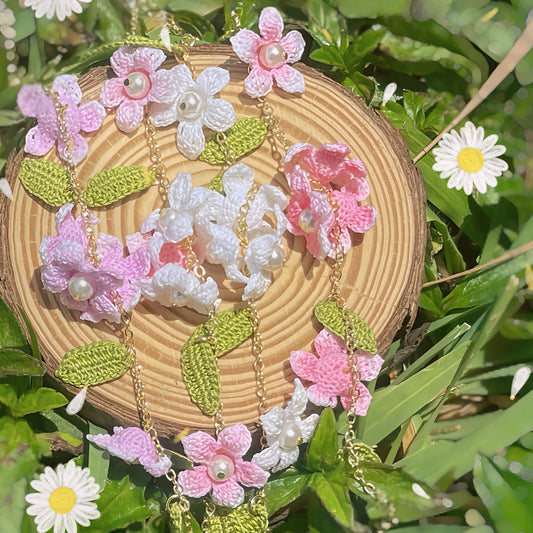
[242, 226]
[235, 23]
[228, 152]
[259, 364]
[276, 133]
[209, 512]
[187, 41]
[155, 156]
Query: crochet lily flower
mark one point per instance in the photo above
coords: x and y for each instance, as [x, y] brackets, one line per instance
[330, 372]
[68, 271]
[138, 82]
[34, 102]
[133, 445]
[269, 56]
[221, 467]
[285, 430]
[195, 107]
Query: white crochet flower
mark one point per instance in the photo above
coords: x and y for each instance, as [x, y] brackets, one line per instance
[172, 285]
[285, 429]
[195, 108]
[264, 252]
[55, 8]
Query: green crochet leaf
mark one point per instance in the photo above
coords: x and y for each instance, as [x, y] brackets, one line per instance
[47, 180]
[198, 360]
[244, 136]
[113, 184]
[245, 518]
[216, 183]
[330, 315]
[94, 363]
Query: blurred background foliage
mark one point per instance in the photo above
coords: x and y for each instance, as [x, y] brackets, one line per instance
[457, 453]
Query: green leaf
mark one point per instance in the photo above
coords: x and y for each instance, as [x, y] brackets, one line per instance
[12, 508]
[37, 400]
[10, 331]
[284, 490]
[319, 520]
[110, 27]
[331, 316]
[376, 8]
[31, 332]
[24, 24]
[251, 517]
[323, 450]
[19, 363]
[508, 497]
[120, 504]
[362, 85]
[97, 458]
[8, 396]
[361, 46]
[333, 493]
[330, 55]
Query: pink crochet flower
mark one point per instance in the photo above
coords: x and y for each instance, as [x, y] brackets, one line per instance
[330, 372]
[269, 55]
[138, 83]
[68, 271]
[34, 102]
[133, 445]
[221, 466]
[328, 165]
[310, 214]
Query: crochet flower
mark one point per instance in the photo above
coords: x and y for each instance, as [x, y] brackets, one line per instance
[310, 214]
[221, 467]
[469, 160]
[133, 445]
[269, 55]
[138, 82]
[330, 372]
[68, 271]
[285, 430]
[34, 102]
[64, 498]
[195, 107]
[55, 8]
[172, 285]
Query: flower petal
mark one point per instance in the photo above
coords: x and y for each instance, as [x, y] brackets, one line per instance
[164, 89]
[195, 483]
[91, 116]
[327, 343]
[229, 493]
[212, 80]
[199, 446]
[270, 24]
[320, 396]
[307, 426]
[368, 365]
[148, 59]
[293, 43]
[304, 365]
[129, 115]
[122, 61]
[33, 102]
[235, 439]
[250, 474]
[268, 458]
[112, 92]
[219, 115]
[286, 458]
[298, 401]
[39, 141]
[289, 79]
[68, 90]
[259, 82]
[163, 114]
[245, 45]
[190, 139]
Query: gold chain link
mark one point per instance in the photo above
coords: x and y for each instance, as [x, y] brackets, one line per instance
[187, 41]
[235, 23]
[209, 512]
[155, 156]
[228, 152]
[242, 226]
[259, 364]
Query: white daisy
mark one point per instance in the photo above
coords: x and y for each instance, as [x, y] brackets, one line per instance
[64, 498]
[468, 159]
[55, 8]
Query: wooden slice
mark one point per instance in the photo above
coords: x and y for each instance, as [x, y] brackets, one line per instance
[381, 278]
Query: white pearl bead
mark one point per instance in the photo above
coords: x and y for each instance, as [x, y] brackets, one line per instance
[80, 288]
[307, 222]
[272, 55]
[290, 436]
[178, 298]
[276, 260]
[137, 85]
[220, 468]
[191, 104]
[167, 217]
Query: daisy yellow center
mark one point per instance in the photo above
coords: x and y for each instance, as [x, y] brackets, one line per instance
[62, 500]
[470, 160]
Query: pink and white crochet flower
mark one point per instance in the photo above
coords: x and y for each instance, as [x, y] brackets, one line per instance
[138, 82]
[269, 55]
[195, 107]
[330, 372]
[221, 467]
[68, 271]
[34, 102]
[133, 445]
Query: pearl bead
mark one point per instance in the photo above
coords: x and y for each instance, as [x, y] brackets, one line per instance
[272, 55]
[191, 104]
[168, 216]
[137, 85]
[290, 436]
[307, 222]
[178, 298]
[80, 288]
[220, 468]
[276, 260]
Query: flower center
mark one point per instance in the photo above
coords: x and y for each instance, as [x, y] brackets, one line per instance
[307, 222]
[470, 160]
[191, 104]
[168, 216]
[62, 500]
[137, 85]
[80, 288]
[276, 260]
[272, 55]
[220, 468]
[290, 436]
[178, 298]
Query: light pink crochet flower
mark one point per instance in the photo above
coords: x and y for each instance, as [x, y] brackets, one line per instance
[68, 271]
[221, 466]
[133, 445]
[34, 102]
[310, 214]
[330, 372]
[138, 82]
[269, 55]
